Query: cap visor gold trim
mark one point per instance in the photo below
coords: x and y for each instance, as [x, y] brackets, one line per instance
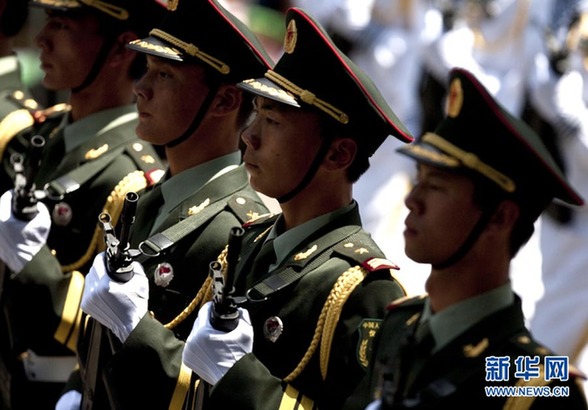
[268, 89]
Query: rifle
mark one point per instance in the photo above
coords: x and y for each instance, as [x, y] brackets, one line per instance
[24, 201]
[118, 259]
[224, 315]
[119, 256]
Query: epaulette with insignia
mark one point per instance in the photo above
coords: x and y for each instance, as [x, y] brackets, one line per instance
[407, 301]
[530, 346]
[147, 160]
[245, 208]
[361, 249]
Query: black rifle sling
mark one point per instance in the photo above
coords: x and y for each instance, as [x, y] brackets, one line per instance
[162, 241]
[292, 272]
[74, 179]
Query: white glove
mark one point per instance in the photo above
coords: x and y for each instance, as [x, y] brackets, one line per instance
[118, 306]
[72, 400]
[374, 405]
[210, 353]
[21, 240]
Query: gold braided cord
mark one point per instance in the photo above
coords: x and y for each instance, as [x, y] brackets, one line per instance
[308, 97]
[114, 11]
[327, 321]
[344, 286]
[192, 50]
[135, 181]
[471, 161]
[202, 296]
[11, 125]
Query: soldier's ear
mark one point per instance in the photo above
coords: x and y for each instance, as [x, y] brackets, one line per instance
[120, 52]
[228, 99]
[506, 215]
[341, 153]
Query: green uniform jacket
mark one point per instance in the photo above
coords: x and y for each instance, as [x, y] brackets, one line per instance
[189, 260]
[155, 359]
[455, 376]
[53, 279]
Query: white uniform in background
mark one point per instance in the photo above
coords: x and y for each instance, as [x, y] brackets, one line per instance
[560, 318]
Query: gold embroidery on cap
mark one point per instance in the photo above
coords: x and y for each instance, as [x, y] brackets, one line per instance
[291, 37]
[455, 99]
[172, 5]
[274, 92]
[157, 48]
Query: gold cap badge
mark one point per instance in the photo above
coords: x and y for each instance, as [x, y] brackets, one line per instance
[291, 37]
[455, 98]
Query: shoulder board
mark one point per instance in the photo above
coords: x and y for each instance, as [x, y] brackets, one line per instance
[246, 208]
[364, 251]
[407, 301]
[528, 345]
[146, 159]
[260, 220]
[531, 347]
[22, 100]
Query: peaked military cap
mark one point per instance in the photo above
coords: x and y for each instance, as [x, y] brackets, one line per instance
[204, 31]
[313, 71]
[479, 135]
[138, 15]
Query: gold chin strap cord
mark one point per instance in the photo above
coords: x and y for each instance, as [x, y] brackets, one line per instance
[117, 12]
[192, 50]
[471, 161]
[308, 97]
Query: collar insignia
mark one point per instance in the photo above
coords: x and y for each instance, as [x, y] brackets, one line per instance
[303, 255]
[197, 208]
[474, 351]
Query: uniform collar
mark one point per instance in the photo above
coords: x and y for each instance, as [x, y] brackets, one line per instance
[285, 243]
[78, 132]
[456, 319]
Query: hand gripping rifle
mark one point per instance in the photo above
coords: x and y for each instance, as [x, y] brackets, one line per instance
[224, 315]
[24, 201]
[118, 259]
[119, 256]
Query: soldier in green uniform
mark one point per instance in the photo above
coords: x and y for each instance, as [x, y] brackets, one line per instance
[311, 282]
[91, 157]
[188, 102]
[483, 178]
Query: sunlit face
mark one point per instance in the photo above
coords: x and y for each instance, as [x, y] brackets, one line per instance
[442, 214]
[169, 96]
[69, 47]
[281, 143]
